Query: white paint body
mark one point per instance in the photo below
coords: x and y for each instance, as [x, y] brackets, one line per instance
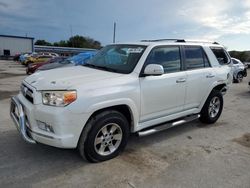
[151, 99]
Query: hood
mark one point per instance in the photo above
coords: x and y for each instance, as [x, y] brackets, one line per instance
[68, 77]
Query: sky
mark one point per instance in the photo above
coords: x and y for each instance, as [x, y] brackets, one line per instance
[224, 21]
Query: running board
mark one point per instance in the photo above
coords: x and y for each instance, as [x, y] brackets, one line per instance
[168, 125]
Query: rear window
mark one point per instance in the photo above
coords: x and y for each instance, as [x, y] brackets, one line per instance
[235, 62]
[195, 58]
[221, 56]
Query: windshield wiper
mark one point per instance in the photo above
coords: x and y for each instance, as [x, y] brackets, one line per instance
[100, 67]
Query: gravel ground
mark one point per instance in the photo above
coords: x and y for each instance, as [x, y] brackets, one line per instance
[191, 155]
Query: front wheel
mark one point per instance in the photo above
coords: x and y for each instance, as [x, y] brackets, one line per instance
[104, 136]
[212, 108]
[239, 77]
[28, 63]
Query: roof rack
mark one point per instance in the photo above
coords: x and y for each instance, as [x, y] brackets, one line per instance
[202, 41]
[159, 40]
[180, 40]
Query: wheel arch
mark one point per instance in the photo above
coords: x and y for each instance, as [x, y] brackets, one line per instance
[219, 87]
[216, 86]
[236, 72]
[128, 111]
[122, 108]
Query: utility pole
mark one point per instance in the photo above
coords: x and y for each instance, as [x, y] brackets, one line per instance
[70, 29]
[114, 32]
[71, 35]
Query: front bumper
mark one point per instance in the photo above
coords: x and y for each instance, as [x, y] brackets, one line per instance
[18, 116]
[245, 72]
[67, 126]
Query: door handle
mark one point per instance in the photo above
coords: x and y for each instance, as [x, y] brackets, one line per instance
[181, 80]
[210, 76]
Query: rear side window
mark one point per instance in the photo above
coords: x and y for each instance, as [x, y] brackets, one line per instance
[195, 58]
[221, 56]
[167, 56]
[234, 61]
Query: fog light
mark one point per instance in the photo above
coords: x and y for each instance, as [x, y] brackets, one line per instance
[44, 126]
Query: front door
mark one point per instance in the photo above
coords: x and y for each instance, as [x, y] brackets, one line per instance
[163, 95]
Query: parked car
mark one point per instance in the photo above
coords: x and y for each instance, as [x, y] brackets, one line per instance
[141, 88]
[37, 59]
[31, 68]
[247, 64]
[16, 57]
[239, 70]
[24, 56]
[79, 59]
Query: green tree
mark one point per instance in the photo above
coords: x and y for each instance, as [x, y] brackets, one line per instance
[243, 56]
[61, 43]
[43, 43]
[75, 41]
[83, 42]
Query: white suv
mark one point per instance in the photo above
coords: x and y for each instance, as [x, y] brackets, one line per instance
[141, 88]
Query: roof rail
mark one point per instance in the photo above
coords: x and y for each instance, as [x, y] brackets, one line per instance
[180, 40]
[202, 41]
[159, 40]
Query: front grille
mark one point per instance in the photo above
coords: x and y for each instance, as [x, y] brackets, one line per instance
[27, 92]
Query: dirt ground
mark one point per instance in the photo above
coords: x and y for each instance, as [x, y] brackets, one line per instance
[190, 156]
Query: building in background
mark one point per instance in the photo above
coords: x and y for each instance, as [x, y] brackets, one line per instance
[12, 45]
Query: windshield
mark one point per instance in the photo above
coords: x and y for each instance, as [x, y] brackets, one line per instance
[117, 58]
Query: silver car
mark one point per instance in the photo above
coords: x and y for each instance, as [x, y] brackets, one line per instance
[239, 70]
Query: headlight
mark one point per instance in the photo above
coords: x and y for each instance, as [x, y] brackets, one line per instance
[58, 98]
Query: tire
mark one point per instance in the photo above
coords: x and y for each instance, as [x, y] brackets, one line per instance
[212, 108]
[238, 78]
[28, 63]
[104, 137]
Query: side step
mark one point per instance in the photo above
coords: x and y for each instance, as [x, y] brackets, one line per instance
[168, 125]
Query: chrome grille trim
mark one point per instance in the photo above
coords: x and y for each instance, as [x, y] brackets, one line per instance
[27, 93]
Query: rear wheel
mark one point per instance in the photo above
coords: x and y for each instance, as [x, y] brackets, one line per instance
[104, 136]
[238, 78]
[27, 71]
[212, 108]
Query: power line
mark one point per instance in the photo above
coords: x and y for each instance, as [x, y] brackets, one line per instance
[114, 32]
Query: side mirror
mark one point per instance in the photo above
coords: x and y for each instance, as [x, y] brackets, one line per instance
[153, 69]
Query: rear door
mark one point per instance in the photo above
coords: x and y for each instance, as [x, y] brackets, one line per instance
[200, 75]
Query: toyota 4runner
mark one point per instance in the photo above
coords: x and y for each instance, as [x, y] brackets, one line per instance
[141, 88]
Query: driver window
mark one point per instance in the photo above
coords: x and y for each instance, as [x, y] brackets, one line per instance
[167, 56]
